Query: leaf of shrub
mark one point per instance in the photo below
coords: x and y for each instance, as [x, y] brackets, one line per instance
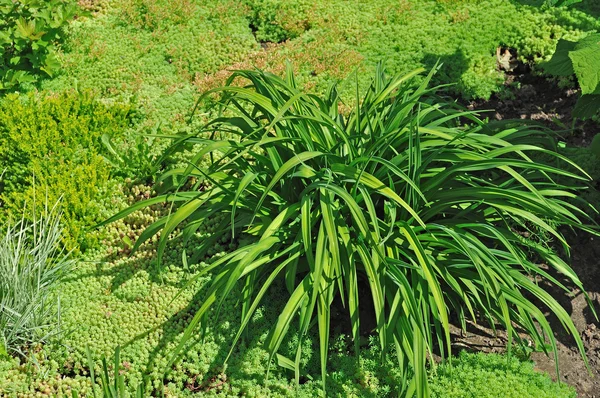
[587, 106]
[586, 63]
[560, 64]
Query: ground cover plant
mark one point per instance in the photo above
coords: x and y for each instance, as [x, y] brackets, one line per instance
[125, 77]
[502, 377]
[123, 52]
[395, 202]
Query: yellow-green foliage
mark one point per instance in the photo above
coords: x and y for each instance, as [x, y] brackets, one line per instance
[55, 140]
[492, 375]
[154, 49]
[276, 21]
[165, 52]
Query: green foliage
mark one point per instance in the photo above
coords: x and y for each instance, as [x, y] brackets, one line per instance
[151, 49]
[277, 21]
[157, 14]
[561, 3]
[31, 265]
[56, 141]
[112, 299]
[582, 59]
[164, 64]
[29, 32]
[113, 385]
[396, 194]
[492, 375]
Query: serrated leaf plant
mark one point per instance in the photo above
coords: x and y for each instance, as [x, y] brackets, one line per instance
[29, 31]
[582, 59]
[406, 206]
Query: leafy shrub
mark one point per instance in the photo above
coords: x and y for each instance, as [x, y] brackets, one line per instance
[395, 207]
[29, 31]
[582, 59]
[31, 264]
[56, 140]
[492, 375]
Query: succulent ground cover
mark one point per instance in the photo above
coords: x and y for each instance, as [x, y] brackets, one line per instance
[94, 133]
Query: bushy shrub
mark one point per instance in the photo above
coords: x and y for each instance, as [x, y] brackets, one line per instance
[32, 263]
[56, 141]
[582, 59]
[397, 206]
[492, 375]
[29, 31]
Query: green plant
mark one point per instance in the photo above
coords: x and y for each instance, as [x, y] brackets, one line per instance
[582, 59]
[491, 375]
[29, 31]
[115, 388]
[277, 21]
[132, 155]
[32, 263]
[396, 206]
[56, 139]
[561, 3]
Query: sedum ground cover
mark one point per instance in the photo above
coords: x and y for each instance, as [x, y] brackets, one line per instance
[136, 67]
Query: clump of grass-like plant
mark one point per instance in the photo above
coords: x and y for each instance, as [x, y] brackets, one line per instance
[415, 196]
[32, 262]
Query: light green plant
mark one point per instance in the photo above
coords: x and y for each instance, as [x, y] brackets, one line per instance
[32, 263]
[491, 375]
[398, 194]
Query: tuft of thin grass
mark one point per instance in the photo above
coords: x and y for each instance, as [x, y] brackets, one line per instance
[32, 263]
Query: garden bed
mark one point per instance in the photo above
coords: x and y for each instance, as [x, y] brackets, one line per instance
[130, 74]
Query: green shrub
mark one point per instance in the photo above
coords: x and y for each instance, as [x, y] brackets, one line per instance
[29, 31]
[56, 141]
[32, 263]
[582, 59]
[492, 375]
[396, 206]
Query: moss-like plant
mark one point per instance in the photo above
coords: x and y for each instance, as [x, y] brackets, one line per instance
[492, 375]
[396, 207]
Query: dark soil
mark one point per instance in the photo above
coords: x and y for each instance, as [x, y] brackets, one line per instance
[532, 97]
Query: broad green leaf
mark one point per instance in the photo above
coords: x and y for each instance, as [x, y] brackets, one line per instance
[587, 106]
[561, 64]
[586, 63]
